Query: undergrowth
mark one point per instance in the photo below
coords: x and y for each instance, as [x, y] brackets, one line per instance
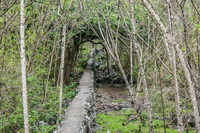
[39, 110]
[113, 122]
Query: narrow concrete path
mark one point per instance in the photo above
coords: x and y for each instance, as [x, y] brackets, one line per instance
[76, 113]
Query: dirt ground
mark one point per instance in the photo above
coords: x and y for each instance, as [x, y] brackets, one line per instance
[112, 97]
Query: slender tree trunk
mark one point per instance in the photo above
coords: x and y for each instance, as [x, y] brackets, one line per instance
[183, 63]
[198, 50]
[180, 125]
[131, 63]
[185, 33]
[62, 65]
[23, 68]
[139, 57]
[186, 105]
[136, 105]
[107, 59]
[70, 61]
[43, 75]
[111, 47]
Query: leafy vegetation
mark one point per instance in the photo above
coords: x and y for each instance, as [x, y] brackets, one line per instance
[38, 110]
[152, 44]
[113, 122]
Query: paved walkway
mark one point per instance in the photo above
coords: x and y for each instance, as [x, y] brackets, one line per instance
[75, 113]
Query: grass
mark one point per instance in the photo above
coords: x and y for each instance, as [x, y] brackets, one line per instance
[119, 100]
[112, 121]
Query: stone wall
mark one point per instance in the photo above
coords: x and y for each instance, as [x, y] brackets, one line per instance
[89, 124]
[80, 115]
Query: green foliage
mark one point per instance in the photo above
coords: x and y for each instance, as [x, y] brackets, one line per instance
[158, 123]
[44, 29]
[119, 100]
[135, 72]
[144, 115]
[38, 109]
[112, 121]
[68, 91]
[197, 28]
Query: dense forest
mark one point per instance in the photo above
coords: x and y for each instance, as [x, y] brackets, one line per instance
[153, 46]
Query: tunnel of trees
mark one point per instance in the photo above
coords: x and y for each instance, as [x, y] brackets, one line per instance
[152, 44]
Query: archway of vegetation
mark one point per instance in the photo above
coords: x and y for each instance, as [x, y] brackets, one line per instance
[154, 44]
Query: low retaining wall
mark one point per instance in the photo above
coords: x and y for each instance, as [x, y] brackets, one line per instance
[80, 115]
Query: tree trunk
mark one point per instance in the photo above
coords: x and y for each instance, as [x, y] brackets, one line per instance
[70, 61]
[23, 68]
[183, 63]
[139, 57]
[62, 65]
[180, 125]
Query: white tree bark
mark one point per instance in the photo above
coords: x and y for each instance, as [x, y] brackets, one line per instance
[62, 65]
[139, 57]
[23, 68]
[131, 64]
[180, 125]
[112, 47]
[183, 63]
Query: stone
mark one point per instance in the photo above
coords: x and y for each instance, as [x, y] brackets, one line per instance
[42, 123]
[114, 104]
[125, 104]
[98, 95]
[116, 108]
[118, 131]
[66, 102]
[106, 106]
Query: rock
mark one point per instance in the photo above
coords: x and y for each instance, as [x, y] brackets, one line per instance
[106, 98]
[66, 102]
[108, 79]
[116, 108]
[98, 95]
[118, 131]
[106, 106]
[52, 120]
[42, 123]
[125, 104]
[114, 104]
